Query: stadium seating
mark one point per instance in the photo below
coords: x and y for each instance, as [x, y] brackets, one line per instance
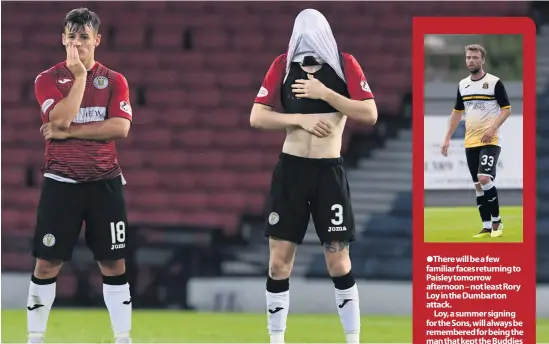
[194, 69]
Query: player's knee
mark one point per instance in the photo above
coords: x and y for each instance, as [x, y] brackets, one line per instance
[338, 265]
[280, 268]
[47, 268]
[483, 180]
[112, 267]
[338, 261]
[281, 258]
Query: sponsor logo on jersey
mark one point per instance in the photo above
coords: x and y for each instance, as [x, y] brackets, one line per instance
[91, 114]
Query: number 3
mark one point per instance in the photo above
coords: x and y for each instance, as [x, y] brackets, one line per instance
[338, 214]
[118, 232]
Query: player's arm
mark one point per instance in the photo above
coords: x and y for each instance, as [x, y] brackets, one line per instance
[56, 109]
[109, 129]
[361, 106]
[455, 116]
[504, 104]
[117, 126]
[262, 115]
[360, 110]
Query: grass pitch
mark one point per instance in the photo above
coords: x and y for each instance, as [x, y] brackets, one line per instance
[164, 326]
[93, 326]
[459, 224]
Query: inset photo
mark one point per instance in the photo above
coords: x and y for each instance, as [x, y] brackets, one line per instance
[473, 138]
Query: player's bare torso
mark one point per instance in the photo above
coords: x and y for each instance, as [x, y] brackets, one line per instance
[301, 143]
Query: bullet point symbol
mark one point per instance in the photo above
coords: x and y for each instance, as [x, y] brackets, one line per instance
[429, 259]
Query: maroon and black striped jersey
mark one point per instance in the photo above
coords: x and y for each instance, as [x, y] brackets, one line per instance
[106, 96]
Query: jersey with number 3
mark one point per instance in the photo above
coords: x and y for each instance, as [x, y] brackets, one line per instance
[481, 101]
[106, 96]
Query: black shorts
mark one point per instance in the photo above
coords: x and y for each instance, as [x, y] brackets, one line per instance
[64, 207]
[482, 161]
[302, 187]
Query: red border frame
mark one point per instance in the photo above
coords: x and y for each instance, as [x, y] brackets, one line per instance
[476, 25]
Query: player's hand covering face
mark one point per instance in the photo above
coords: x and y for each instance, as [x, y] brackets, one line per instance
[82, 37]
[73, 61]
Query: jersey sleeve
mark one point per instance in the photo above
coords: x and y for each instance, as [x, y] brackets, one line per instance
[119, 103]
[269, 91]
[357, 85]
[47, 94]
[501, 95]
[459, 106]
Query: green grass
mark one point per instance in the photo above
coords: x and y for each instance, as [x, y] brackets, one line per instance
[542, 331]
[459, 224]
[92, 326]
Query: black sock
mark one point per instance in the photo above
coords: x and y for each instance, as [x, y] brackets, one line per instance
[115, 280]
[492, 200]
[344, 282]
[277, 286]
[483, 208]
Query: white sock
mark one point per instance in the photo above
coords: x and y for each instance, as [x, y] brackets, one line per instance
[118, 302]
[39, 303]
[277, 313]
[486, 187]
[348, 307]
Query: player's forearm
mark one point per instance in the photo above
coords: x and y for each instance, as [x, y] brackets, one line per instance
[363, 111]
[271, 120]
[503, 115]
[110, 129]
[455, 118]
[66, 110]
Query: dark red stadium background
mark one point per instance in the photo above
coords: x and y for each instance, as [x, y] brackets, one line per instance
[519, 254]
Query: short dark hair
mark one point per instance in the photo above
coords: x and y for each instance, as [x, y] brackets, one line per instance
[79, 18]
